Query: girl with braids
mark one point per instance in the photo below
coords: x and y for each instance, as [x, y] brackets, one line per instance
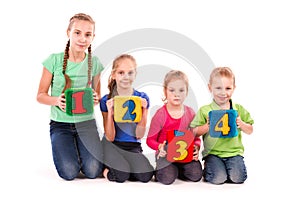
[123, 157]
[76, 146]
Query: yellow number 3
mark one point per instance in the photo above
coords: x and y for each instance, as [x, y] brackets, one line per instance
[182, 150]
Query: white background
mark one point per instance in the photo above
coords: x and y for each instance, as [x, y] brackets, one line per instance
[259, 40]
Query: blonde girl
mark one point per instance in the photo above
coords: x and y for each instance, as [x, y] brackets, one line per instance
[123, 155]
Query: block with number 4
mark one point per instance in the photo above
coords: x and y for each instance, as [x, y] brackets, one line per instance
[222, 123]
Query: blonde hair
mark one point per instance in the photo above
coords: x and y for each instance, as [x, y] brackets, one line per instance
[222, 72]
[175, 75]
[84, 17]
[112, 84]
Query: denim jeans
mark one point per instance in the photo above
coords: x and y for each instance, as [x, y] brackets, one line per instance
[220, 170]
[76, 147]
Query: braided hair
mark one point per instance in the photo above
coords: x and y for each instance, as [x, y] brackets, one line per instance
[85, 17]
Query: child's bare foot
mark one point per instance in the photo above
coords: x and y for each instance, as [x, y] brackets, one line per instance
[105, 172]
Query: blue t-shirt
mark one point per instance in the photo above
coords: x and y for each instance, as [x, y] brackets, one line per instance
[125, 132]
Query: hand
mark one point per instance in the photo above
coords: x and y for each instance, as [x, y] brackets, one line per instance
[196, 153]
[144, 103]
[239, 122]
[110, 106]
[61, 102]
[162, 151]
[96, 98]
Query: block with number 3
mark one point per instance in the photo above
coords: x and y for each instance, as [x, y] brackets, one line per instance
[180, 146]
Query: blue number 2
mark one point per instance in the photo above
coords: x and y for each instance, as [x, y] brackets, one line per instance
[129, 115]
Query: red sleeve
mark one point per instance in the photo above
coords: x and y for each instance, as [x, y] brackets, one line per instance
[154, 130]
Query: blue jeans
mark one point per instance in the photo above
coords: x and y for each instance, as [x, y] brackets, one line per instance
[220, 170]
[76, 147]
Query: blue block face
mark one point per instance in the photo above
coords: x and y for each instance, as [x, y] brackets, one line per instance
[222, 123]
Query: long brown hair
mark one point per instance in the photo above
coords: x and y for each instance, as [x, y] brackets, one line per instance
[112, 84]
[85, 17]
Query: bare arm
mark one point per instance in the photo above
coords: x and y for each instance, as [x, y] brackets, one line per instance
[141, 126]
[42, 96]
[97, 88]
[108, 122]
[246, 128]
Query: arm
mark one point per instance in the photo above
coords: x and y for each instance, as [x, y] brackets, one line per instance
[108, 121]
[245, 127]
[154, 131]
[97, 88]
[141, 126]
[42, 95]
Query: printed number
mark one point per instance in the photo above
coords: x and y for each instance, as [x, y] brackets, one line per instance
[78, 98]
[182, 150]
[222, 125]
[129, 115]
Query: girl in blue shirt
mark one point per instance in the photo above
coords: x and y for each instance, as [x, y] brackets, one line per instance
[123, 157]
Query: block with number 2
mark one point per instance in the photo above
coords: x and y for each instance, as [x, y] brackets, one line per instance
[127, 109]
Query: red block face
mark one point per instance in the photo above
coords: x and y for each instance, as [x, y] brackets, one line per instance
[180, 146]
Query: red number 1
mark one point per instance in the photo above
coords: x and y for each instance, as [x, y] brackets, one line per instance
[78, 98]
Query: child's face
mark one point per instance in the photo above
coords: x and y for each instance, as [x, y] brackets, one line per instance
[125, 74]
[81, 35]
[176, 92]
[222, 89]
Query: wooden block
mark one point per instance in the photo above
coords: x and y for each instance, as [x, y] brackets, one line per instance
[222, 123]
[180, 146]
[127, 109]
[79, 101]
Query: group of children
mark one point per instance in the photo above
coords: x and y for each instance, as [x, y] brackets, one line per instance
[118, 156]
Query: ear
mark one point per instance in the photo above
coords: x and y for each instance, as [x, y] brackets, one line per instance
[209, 87]
[68, 33]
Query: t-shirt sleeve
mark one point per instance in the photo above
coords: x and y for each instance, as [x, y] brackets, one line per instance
[97, 66]
[244, 115]
[49, 63]
[103, 106]
[199, 119]
[145, 96]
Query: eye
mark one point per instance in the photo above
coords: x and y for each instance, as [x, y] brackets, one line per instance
[182, 90]
[88, 35]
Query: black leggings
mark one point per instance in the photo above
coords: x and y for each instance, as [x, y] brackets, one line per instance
[126, 161]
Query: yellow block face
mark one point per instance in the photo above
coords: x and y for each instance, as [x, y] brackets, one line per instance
[127, 109]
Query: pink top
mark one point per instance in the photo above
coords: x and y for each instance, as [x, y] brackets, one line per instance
[162, 121]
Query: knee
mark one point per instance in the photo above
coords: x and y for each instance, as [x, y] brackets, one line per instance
[166, 177]
[68, 172]
[237, 177]
[93, 170]
[215, 178]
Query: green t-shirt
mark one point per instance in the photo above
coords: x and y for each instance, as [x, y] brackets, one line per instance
[78, 73]
[222, 147]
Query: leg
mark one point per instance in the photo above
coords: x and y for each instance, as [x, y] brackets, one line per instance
[191, 171]
[141, 169]
[166, 172]
[118, 167]
[236, 169]
[64, 150]
[90, 149]
[214, 170]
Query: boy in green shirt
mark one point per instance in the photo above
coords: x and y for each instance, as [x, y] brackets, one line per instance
[223, 156]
